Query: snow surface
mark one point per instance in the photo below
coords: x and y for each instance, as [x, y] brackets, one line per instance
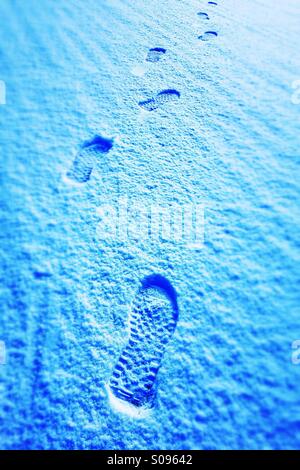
[76, 69]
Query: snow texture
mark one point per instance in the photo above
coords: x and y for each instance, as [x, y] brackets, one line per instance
[162, 102]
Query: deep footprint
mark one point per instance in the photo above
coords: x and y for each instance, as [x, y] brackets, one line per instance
[203, 16]
[152, 322]
[208, 35]
[167, 95]
[161, 99]
[155, 54]
[83, 164]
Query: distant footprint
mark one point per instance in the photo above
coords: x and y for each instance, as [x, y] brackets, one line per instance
[85, 160]
[203, 16]
[149, 105]
[165, 96]
[155, 54]
[212, 3]
[208, 35]
[152, 322]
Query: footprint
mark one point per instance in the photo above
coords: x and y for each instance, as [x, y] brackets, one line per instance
[212, 3]
[85, 160]
[167, 95]
[155, 54]
[149, 105]
[160, 100]
[203, 15]
[208, 35]
[152, 322]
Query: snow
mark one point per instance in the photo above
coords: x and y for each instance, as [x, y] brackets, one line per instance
[76, 70]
